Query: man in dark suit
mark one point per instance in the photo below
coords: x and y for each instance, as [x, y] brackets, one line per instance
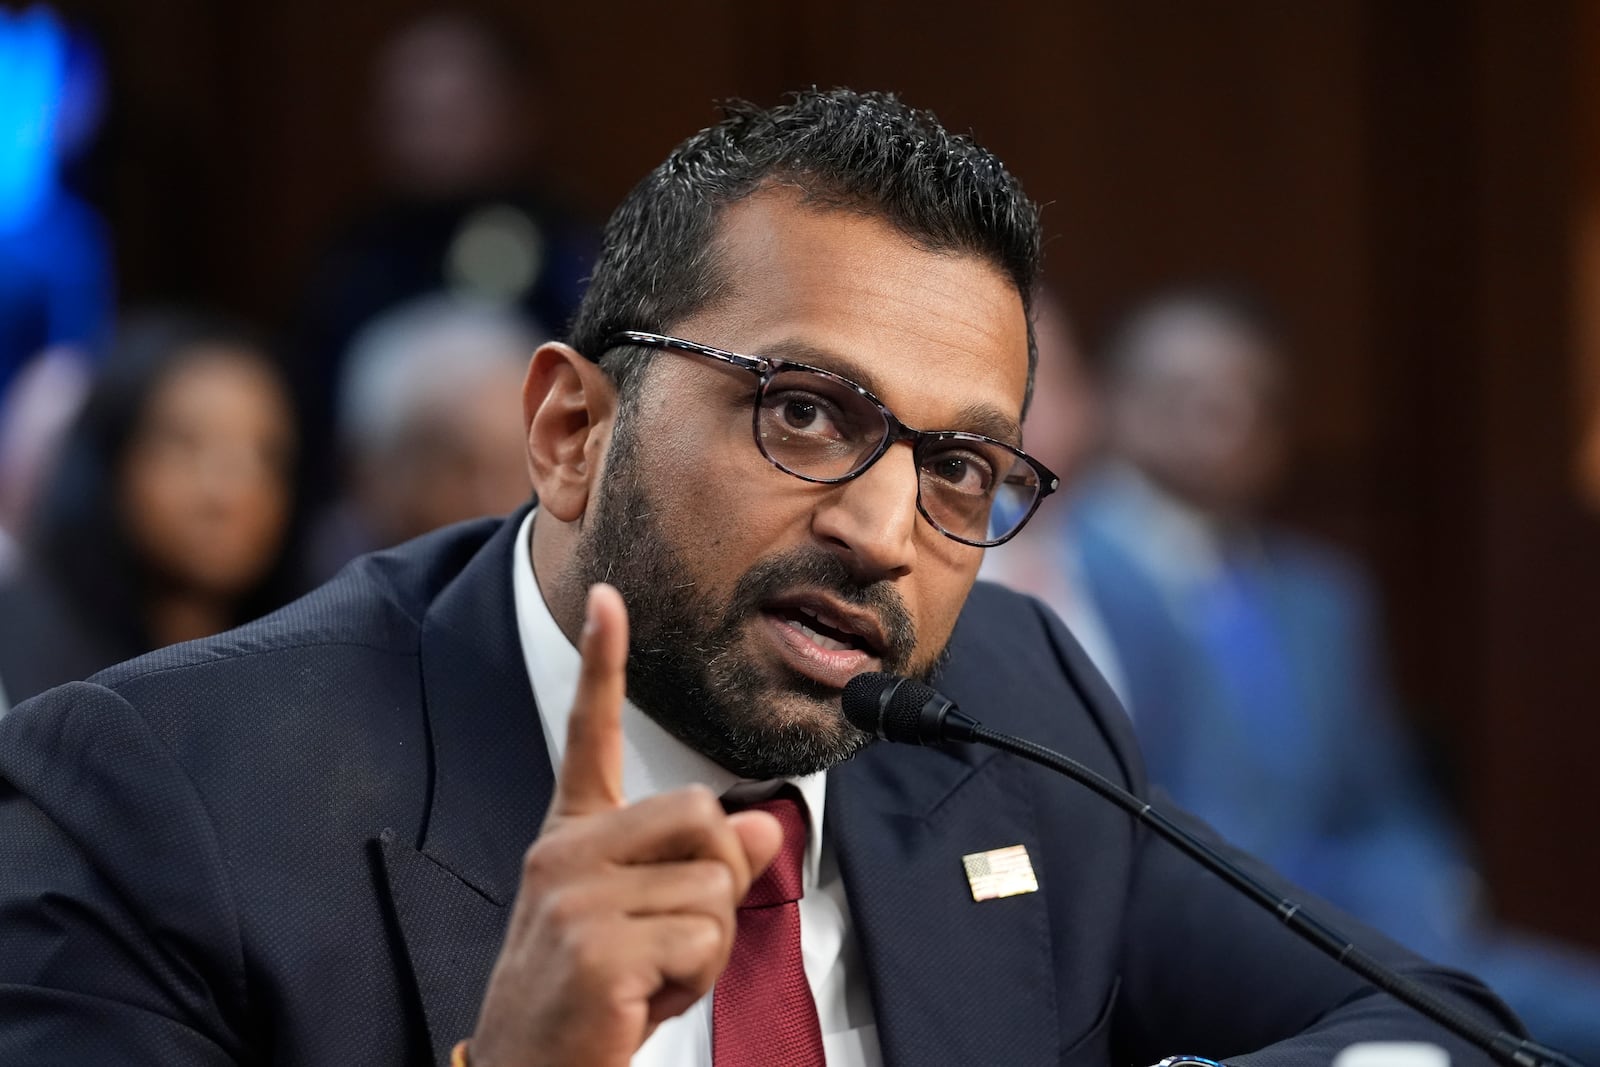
[1254, 655]
[308, 841]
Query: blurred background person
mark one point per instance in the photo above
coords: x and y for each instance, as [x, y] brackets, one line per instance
[169, 513]
[1253, 661]
[455, 127]
[430, 424]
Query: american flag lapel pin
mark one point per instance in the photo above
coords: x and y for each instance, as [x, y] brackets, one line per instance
[1000, 872]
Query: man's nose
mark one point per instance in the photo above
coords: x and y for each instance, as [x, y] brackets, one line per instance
[872, 519]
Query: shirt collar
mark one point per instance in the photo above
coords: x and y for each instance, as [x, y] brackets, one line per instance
[653, 760]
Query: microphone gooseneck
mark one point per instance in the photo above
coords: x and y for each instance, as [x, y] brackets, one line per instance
[906, 711]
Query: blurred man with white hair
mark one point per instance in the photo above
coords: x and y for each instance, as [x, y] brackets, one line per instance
[430, 424]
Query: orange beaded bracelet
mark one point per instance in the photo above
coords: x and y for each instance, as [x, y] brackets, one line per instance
[458, 1055]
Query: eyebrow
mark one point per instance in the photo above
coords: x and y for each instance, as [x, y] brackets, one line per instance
[798, 351]
[973, 418]
[978, 418]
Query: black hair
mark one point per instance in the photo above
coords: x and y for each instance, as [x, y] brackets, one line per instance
[79, 538]
[839, 149]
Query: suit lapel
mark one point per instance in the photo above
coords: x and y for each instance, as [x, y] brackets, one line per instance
[953, 980]
[900, 819]
[451, 891]
[452, 935]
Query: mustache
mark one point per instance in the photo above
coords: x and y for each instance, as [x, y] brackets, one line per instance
[813, 567]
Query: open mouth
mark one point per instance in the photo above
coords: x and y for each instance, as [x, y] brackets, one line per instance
[822, 629]
[825, 640]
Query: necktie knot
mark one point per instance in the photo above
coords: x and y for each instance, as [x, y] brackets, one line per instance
[783, 881]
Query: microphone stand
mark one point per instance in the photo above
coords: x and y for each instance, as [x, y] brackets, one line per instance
[1505, 1047]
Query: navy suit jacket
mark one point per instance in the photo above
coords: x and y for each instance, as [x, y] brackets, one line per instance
[298, 843]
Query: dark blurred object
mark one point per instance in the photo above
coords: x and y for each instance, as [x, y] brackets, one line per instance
[55, 262]
[168, 514]
[456, 140]
[430, 425]
[1255, 664]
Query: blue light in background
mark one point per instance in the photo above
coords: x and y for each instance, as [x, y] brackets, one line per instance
[56, 281]
[33, 60]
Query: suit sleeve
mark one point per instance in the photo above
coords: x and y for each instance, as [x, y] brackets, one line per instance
[1206, 971]
[117, 937]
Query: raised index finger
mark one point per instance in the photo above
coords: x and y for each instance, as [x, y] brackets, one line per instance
[590, 779]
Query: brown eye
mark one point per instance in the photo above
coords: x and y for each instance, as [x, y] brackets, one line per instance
[799, 414]
[964, 472]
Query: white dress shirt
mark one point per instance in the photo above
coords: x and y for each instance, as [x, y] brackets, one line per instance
[653, 761]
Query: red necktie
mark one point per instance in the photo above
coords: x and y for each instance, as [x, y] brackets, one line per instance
[762, 1012]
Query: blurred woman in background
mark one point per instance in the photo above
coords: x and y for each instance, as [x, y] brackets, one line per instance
[170, 512]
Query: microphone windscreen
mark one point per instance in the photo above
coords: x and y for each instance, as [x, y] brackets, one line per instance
[898, 719]
[862, 695]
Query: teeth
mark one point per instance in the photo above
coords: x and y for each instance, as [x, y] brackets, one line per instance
[821, 640]
[826, 620]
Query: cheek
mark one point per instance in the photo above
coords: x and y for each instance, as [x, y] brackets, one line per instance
[267, 511]
[944, 577]
[728, 514]
[154, 501]
[713, 490]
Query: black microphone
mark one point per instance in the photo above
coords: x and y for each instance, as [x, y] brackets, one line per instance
[906, 711]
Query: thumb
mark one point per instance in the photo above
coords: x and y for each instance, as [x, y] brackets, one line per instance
[760, 836]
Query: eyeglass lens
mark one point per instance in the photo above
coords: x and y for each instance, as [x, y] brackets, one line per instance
[819, 427]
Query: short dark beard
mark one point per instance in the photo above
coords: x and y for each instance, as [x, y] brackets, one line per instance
[687, 668]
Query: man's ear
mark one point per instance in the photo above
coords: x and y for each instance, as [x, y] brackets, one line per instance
[568, 404]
